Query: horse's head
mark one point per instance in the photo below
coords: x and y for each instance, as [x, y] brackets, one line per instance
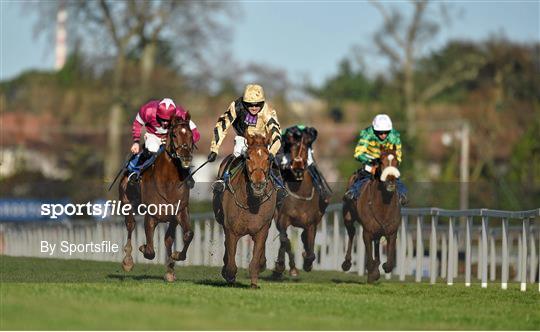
[298, 142]
[389, 168]
[258, 163]
[180, 140]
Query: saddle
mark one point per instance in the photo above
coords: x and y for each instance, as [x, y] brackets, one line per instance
[232, 168]
[135, 166]
[235, 165]
[357, 181]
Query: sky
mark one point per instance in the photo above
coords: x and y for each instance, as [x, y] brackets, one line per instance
[306, 38]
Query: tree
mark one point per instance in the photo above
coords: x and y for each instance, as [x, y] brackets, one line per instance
[402, 40]
[125, 26]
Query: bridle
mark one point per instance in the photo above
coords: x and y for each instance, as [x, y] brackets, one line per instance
[266, 171]
[172, 148]
[298, 157]
[263, 198]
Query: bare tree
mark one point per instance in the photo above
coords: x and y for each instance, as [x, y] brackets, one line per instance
[401, 41]
[138, 25]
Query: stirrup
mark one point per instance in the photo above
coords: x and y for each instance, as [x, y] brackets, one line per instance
[218, 186]
[403, 200]
[190, 182]
[133, 177]
[349, 194]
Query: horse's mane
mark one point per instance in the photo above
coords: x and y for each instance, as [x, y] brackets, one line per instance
[177, 120]
[256, 140]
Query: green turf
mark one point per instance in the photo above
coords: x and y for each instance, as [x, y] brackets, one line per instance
[60, 294]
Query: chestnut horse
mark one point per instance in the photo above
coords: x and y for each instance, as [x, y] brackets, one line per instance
[162, 185]
[247, 208]
[303, 207]
[377, 209]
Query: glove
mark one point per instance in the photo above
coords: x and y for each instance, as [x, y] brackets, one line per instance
[212, 157]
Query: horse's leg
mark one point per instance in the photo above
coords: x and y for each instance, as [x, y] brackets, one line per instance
[287, 245]
[129, 220]
[184, 222]
[170, 235]
[259, 241]
[229, 269]
[147, 249]
[370, 262]
[309, 246]
[127, 262]
[281, 226]
[390, 263]
[351, 230]
[376, 248]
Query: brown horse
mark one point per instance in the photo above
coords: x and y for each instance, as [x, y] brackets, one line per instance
[247, 208]
[378, 210]
[162, 185]
[303, 207]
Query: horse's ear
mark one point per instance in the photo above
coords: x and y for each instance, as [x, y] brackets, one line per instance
[312, 132]
[268, 139]
[187, 117]
[249, 139]
[175, 120]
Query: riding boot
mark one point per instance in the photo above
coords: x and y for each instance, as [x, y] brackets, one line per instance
[349, 195]
[402, 190]
[320, 183]
[220, 184]
[354, 190]
[278, 181]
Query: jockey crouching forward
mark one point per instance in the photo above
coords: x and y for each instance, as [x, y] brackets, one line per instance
[156, 117]
[380, 134]
[285, 160]
[249, 115]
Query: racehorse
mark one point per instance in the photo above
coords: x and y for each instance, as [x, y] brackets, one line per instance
[163, 185]
[247, 207]
[303, 207]
[377, 209]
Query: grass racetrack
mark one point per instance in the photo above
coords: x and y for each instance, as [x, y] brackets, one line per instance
[57, 294]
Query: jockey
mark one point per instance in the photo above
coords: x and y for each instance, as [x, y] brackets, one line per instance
[372, 139]
[285, 159]
[155, 116]
[248, 115]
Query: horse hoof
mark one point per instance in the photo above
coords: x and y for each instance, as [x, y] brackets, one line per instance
[254, 286]
[277, 275]
[228, 278]
[170, 277]
[386, 268]
[280, 267]
[127, 264]
[146, 254]
[346, 266]
[178, 256]
[372, 277]
[294, 272]
[308, 266]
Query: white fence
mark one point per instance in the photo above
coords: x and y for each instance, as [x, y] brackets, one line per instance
[486, 245]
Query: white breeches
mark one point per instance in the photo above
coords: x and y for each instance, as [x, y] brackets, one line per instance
[152, 142]
[240, 146]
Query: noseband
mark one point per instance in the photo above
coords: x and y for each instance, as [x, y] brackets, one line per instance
[298, 157]
[265, 172]
[171, 148]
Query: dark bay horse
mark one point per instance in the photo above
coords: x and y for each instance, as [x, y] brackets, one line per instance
[378, 210]
[162, 185]
[303, 207]
[247, 208]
